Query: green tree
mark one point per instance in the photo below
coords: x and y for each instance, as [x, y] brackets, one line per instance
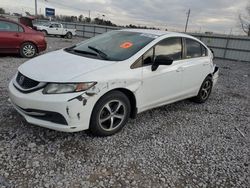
[87, 19]
[80, 18]
[2, 11]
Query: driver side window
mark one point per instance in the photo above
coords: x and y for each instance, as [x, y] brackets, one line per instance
[53, 26]
[171, 47]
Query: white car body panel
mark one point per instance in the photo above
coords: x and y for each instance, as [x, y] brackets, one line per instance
[167, 84]
[48, 65]
[57, 30]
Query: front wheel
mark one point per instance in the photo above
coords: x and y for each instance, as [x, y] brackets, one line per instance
[205, 91]
[28, 50]
[110, 114]
[45, 33]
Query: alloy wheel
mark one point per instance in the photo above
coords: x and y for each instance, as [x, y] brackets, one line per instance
[206, 89]
[112, 115]
[29, 50]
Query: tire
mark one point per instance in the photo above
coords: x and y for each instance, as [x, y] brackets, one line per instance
[69, 35]
[110, 114]
[28, 50]
[45, 33]
[205, 91]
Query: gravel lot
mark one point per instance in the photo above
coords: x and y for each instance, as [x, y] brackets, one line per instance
[178, 145]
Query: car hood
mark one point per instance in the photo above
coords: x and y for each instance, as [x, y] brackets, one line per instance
[60, 66]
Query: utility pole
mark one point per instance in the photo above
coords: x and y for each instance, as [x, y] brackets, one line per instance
[89, 14]
[35, 7]
[188, 15]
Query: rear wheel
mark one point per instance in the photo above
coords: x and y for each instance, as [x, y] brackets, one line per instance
[28, 50]
[110, 114]
[205, 91]
[68, 35]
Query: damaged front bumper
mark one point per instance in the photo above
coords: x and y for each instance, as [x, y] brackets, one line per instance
[63, 112]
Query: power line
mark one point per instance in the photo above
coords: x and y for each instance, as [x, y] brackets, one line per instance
[188, 14]
[35, 7]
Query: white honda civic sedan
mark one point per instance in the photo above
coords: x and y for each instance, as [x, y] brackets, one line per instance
[102, 82]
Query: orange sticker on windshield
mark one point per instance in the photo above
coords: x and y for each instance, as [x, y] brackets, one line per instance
[126, 45]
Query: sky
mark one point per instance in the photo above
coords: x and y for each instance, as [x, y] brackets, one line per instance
[220, 16]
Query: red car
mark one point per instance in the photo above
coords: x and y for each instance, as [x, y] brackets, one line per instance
[18, 38]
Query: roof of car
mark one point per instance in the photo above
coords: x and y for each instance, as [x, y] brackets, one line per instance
[155, 32]
[10, 20]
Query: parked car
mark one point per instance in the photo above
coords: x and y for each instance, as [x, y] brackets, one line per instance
[56, 29]
[27, 21]
[100, 83]
[17, 38]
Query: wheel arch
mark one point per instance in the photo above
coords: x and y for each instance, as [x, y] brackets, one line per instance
[132, 100]
[32, 42]
[44, 30]
[131, 97]
[210, 75]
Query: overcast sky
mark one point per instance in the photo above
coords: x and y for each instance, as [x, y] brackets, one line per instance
[206, 15]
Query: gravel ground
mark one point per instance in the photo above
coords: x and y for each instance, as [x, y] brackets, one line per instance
[178, 145]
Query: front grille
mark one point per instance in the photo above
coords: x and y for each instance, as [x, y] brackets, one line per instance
[25, 82]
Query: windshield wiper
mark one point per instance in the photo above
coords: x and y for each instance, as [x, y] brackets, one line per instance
[101, 53]
[84, 52]
[69, 48]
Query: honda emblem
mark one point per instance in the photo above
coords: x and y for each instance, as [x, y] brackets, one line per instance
[21, 80]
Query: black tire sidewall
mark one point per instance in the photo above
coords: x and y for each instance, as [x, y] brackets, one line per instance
[69, 35]
[23, 45]
[95, 128]
[199, 98]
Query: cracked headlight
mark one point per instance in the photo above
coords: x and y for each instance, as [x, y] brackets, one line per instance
[58, 88]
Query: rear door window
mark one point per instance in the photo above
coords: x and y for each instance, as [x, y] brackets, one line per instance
[8, 26]
[194, 49]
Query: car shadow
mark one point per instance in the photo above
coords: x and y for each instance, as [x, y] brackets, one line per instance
[3, 55]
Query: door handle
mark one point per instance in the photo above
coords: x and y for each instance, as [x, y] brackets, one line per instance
[16, 35]
[180, 69]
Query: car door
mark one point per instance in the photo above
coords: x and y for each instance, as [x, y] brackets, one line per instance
[164, 84]
[53, 30]
[196, 66]
[11, 36]
[60, 29]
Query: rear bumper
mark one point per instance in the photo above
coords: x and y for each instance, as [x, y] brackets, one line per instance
[215, 74]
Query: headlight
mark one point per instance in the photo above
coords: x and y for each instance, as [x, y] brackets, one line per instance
[56, 88]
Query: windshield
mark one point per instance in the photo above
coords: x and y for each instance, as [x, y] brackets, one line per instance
[46, 24]
[114, 45]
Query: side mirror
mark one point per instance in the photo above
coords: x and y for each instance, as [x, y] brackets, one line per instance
[161, 60]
